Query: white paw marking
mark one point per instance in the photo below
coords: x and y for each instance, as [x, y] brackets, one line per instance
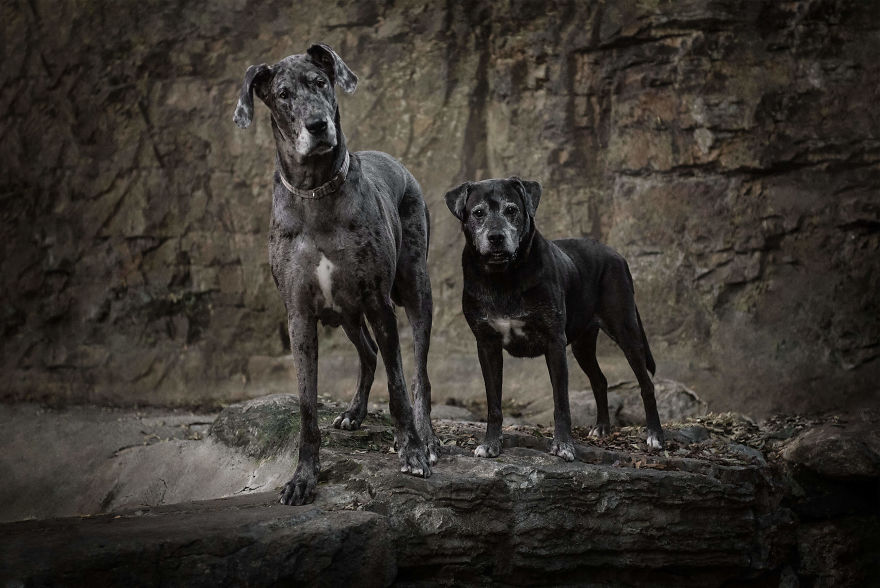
[566, 451]
[415, 471]
[337, 422]
[432, 458]
[653, 442]
[508, 327]
[485, 451]
[598, 432]
[346, 424]
[323, 271]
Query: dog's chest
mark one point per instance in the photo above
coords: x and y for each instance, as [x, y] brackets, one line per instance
[326, 272]
[508, 327]
[522, 328]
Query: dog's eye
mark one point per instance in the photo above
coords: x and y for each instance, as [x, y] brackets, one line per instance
[479, 213]
[320, 83]
[284, 94]
[510, 209]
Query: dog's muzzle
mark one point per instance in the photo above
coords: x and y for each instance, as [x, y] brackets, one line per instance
[316, 137]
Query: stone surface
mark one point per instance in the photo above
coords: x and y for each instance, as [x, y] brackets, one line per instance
[719, 505]
[840, 553]
[728, 149]
[523, 518]
[88, 460]
[249, 540]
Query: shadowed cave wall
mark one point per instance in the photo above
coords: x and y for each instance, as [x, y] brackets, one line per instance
[730, 150]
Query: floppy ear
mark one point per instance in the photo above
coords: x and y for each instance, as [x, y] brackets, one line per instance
[531, 194]
[456, 200]
[254, 78]
[333, 65]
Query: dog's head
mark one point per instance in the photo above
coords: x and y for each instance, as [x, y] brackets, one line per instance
[299, 91]
[497, 217]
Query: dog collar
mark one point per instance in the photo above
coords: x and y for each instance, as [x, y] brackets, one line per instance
[324, 189]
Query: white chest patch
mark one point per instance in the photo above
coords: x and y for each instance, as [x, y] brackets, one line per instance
[323, 271]
[508, 327]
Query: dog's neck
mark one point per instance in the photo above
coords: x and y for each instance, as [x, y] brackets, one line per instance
[308, 173]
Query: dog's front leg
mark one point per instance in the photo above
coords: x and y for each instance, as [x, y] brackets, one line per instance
[558, 367]
[304, 345]
[492, 364]
[410, 449]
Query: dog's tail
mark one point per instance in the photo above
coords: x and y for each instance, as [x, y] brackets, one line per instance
[649, 358]
[427, 231]
[652, 366]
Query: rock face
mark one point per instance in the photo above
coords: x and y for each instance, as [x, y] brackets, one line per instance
[729, 150]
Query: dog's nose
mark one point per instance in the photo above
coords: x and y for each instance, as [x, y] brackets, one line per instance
[316, 127]
[496, 239]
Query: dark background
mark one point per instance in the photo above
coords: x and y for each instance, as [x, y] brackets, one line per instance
[730, 150]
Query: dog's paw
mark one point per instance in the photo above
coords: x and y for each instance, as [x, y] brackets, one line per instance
[600, 430]
[489, 448]
[655, 439]
[300, 489]
[563, 449]
[347, 422]
[433, 448]
[414, 460]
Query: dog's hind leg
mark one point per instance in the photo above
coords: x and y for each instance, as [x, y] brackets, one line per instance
[410, 448]
[584, 350]
[635, 355]
[620, 318]
[419, 315]
[412, 287]
[358, 334]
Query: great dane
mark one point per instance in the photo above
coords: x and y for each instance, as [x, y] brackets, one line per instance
[531, 297]
[348, 239]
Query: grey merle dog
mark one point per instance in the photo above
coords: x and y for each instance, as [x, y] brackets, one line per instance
[348, 239]
[531, 297]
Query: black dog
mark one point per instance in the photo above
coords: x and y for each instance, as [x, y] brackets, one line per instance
[348, 235]
[533, 297]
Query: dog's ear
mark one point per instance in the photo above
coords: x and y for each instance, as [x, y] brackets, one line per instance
[255, 78]
[333, 65]
[531, 194]
[456, 200]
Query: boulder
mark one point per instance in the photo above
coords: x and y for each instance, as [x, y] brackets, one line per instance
[452, 412]
[260, 427]
[836, 451]
[675, 402]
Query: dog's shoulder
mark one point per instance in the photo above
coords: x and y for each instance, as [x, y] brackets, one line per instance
[379, 163]
[383, 171]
